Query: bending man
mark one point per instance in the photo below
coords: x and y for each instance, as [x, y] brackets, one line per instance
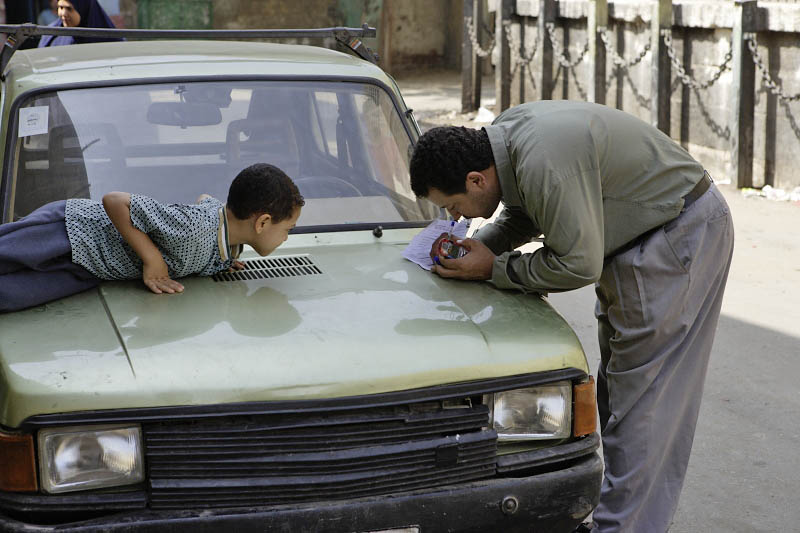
[620, 205]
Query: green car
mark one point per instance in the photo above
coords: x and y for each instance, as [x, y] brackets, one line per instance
[331, 386]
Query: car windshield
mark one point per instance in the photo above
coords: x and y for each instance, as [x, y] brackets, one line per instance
[343, 144]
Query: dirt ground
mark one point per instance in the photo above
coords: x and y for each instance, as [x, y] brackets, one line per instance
[744, 474]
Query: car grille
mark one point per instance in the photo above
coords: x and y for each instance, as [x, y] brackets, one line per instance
[289, 266]
[252, 460]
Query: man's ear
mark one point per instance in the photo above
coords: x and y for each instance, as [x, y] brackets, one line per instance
[261, 222]
[476, 179]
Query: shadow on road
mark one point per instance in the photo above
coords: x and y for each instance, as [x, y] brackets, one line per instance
[743, 473]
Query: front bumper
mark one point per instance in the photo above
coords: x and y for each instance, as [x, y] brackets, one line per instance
[553, 501]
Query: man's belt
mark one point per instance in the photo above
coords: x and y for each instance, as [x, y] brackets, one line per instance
[699, 189]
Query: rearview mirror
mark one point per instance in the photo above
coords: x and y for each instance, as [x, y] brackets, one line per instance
[183, 114]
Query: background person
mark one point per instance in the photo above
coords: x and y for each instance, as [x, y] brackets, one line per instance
[48, 15]
[623, 206]
[78, 14]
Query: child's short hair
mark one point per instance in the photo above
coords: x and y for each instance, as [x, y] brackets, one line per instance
[263, 188]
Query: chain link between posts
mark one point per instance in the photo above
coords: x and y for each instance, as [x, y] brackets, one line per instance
[683, 75]
[562, 56]
[519, 57]
[620, 63]
[473, 39]
[771, 85]
[522, 58]
[558, 48]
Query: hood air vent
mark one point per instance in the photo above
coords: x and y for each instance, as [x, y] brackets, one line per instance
[288, 266]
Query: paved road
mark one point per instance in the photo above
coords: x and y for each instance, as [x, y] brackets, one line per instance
[744, 474]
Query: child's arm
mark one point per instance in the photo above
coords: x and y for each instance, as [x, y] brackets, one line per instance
[154, 270]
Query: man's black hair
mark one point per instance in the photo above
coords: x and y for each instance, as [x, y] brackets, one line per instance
[263, 188]
[444, 156]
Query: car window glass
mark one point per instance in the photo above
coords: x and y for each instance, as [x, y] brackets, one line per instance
[382, 128]
[344, 145]
[327, 111]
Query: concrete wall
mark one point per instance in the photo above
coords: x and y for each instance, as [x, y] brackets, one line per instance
[235, 14]
[411, 33]
[700, 120]
[422, 33]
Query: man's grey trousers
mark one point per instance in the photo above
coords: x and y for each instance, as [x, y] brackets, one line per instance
[658, 303]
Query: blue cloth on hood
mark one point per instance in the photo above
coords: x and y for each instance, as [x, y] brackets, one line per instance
[92, 16]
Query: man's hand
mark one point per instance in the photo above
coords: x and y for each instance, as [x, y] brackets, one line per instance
[156, 277]
[476, 265]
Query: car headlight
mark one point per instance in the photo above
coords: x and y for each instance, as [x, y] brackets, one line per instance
[542, 412]
[86, 457]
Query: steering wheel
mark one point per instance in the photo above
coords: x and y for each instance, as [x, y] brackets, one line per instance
[326, 187]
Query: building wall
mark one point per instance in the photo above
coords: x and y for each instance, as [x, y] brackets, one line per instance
[411, 33]
[422, 34]
[112, 8]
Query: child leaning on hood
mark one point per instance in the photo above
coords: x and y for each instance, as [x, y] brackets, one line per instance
[69, 246]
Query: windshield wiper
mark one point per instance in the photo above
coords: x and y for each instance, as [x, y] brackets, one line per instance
[89, 144]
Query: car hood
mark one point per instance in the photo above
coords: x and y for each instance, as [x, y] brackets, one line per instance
[370, 322]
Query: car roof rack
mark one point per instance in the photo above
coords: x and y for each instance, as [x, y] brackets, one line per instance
[349, 37]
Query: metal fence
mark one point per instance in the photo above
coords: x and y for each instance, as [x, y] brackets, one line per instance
[525, 61]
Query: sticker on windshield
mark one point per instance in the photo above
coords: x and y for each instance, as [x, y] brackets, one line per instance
[32, 121]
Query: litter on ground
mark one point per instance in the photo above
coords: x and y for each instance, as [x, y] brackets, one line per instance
[771, 193]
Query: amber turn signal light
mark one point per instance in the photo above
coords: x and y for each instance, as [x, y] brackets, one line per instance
[17, 463]
[585, 413]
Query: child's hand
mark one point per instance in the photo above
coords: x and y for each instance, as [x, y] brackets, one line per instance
[237, 265]
[156, 277]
